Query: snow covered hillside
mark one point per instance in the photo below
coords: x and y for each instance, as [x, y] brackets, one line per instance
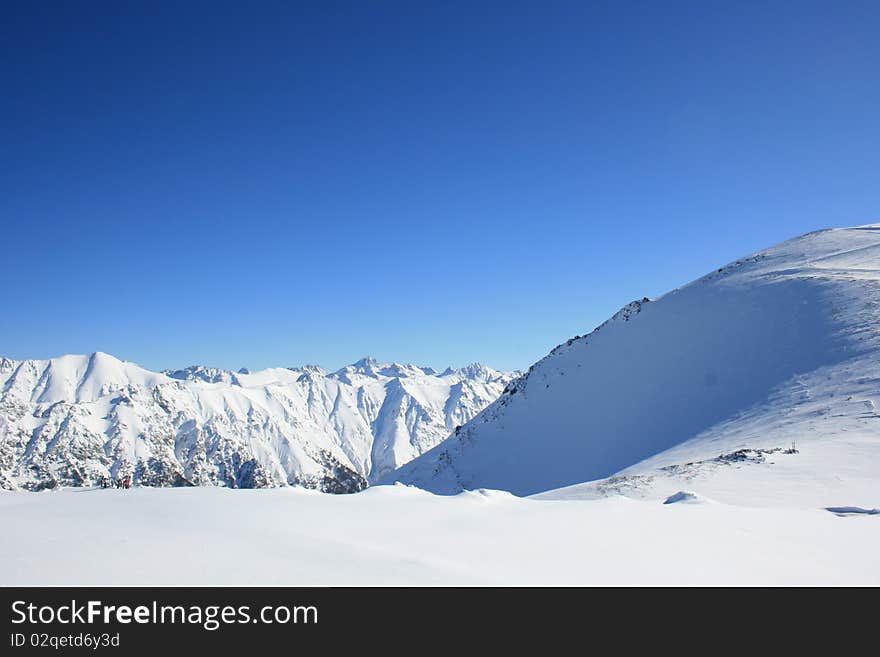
[389, 535]
[78, 420]
[705, 388]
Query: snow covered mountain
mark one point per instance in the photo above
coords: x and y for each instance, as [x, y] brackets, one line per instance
[705, 388]
[81, 420]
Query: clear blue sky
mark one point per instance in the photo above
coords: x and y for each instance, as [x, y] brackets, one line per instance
[258, 184]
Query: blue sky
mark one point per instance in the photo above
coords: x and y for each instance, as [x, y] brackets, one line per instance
[257, 184]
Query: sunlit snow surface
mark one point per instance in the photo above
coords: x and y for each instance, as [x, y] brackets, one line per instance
[397, 535]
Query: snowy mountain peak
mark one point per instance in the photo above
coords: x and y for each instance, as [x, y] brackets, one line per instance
[398, 370]
[474, 372]
[206, 374]
[366, 366]
[310, 369]
[779, 346]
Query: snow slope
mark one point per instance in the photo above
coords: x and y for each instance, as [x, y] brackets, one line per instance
[397, 535]
[76, 420]
[781, 346]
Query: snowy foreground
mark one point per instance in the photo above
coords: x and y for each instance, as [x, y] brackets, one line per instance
[406, 536]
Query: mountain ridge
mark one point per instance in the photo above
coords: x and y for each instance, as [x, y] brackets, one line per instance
[715, 364]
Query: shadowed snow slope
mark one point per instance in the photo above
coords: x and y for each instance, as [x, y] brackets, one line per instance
[780, 346]
[81, 420]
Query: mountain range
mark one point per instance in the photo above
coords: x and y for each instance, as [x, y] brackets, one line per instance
[88, 420]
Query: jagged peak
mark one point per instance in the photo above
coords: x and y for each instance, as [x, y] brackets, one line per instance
[475, 371]
[400, 370]
[366, 365]
[203, 373]
[309, 368]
